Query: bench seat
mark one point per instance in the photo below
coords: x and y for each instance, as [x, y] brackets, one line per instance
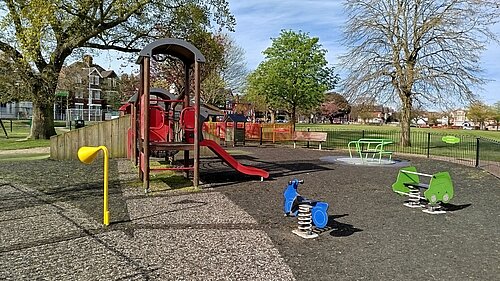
[310, 137]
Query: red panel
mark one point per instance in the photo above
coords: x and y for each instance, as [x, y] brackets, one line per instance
[157, 128]
[187, 123]
[156, 117]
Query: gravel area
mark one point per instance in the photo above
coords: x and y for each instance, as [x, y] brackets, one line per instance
[51, 214]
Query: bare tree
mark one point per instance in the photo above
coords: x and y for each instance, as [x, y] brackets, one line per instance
[234, 71]
[416, 50]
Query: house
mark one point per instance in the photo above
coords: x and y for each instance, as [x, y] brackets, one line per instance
[16, 110]
[371, 115]
[459, 117]
[84, 90]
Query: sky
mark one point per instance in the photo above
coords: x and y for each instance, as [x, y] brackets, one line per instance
[257, 21]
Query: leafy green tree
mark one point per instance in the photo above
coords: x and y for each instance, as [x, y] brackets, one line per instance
[294, 73]
[417, 50]
[495, 110]
[260, 92]
[478, 112]
[38, 36]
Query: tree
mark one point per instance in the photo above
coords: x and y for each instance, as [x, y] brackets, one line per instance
[234, 70]
[259, 94]
[410, 50]
[228, 77]
[294, 73]
[193, 24]
[38, 36]
[495, 110]
[335, 106]
[363, 110]
[12, 87]
[478, 113]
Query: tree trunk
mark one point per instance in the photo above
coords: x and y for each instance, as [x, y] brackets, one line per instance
[405, 121]
[273, 116]
[294, 108]
[42, 122]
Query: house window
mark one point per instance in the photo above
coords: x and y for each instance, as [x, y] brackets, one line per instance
[78, 79]
[96, 94]
[94, 79]
[79, 95]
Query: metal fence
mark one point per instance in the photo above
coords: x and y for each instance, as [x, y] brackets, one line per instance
[488, 155]
[472, 151]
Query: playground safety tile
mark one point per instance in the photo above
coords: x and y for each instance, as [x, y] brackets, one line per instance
[196, 208]
[24, 212]
[82, 258]
[12, 198]
[209, 254]
[35, 228]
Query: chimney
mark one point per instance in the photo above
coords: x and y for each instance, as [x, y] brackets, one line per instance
[87, 59]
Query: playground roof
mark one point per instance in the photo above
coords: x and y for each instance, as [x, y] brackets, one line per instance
[180, 49]
[235, 118]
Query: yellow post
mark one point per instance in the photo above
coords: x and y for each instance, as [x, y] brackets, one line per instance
[87, 154]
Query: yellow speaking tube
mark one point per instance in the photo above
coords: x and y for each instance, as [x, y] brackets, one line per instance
[87, 154]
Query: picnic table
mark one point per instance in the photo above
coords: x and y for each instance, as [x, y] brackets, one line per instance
[366, 147]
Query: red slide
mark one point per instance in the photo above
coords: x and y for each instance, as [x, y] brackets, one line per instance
[217, 149]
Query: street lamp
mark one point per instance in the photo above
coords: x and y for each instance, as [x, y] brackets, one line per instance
[87, 154]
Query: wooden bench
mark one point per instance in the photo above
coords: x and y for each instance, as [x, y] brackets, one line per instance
[309, 136]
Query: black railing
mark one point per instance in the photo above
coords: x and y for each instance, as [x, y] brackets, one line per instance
[473, 151]
[488, 155]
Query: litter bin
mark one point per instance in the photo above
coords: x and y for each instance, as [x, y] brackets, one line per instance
[79, 124]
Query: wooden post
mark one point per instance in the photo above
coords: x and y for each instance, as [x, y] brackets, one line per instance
[145, 125]
[186, 104]
[197, 131]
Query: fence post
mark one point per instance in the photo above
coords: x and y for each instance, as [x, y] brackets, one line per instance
[363, 134]
[428, 144]
[261, 131]
[477, 152]
[308, 141]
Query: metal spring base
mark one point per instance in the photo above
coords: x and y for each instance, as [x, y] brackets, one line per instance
[434, 210]
[413, 199]
[305, 222]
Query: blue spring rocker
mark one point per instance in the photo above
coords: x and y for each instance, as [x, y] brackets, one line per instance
[293, 203]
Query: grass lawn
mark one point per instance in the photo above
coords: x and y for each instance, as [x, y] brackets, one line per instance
[17, 135]
[495, 135]
[423, 140]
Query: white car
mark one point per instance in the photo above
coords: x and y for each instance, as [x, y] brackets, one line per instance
[467, 126]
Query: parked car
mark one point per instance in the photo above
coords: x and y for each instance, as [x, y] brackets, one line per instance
[467, 126]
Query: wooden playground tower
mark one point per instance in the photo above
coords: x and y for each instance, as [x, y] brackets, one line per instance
[191, 58]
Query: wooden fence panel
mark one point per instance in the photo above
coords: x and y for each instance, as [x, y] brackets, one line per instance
[112, 134]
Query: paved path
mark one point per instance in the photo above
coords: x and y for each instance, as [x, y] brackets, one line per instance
[182, 237]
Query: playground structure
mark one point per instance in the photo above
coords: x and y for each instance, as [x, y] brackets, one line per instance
[3, 127]
[159, 128]
[310, 213]
[438, 190]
